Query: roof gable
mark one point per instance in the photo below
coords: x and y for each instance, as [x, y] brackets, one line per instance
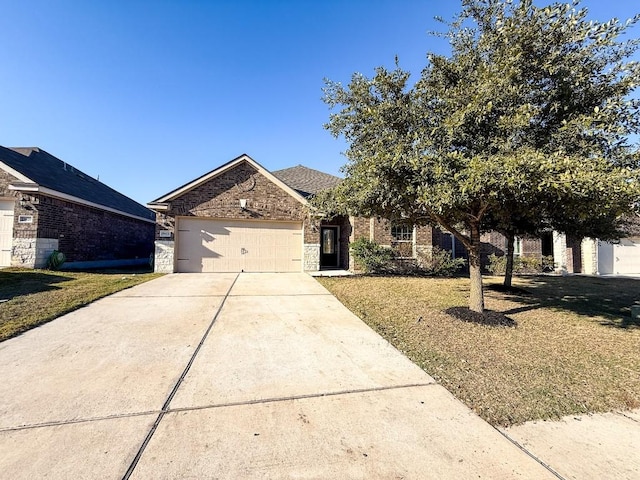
[307, 181]
[40, 171]
[244, 158]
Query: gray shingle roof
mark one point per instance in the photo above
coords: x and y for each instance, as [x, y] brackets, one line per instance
[50, 172]
[306, 181]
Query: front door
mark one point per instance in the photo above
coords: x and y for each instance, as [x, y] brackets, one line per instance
[329, 247]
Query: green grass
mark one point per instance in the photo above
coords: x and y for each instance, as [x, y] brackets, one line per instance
[33, 297]
[570, 347]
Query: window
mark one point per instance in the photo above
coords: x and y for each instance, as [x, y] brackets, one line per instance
[517, 246]
[402, 240]
[25, 219]
[328, 242]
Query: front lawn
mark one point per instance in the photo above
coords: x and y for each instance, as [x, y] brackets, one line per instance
[29, 298]
[567, 347]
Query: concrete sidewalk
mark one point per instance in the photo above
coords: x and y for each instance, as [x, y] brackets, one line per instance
[232, 376]
[585, 446]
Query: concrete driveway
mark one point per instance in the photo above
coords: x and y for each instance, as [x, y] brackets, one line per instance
[232, 376]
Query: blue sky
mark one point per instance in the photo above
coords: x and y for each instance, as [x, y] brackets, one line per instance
[149, 95]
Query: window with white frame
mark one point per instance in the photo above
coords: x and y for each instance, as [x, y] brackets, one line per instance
[517, 246]
[402, 240]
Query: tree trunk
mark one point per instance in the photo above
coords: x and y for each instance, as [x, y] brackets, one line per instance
[476, 297]
[508, 270]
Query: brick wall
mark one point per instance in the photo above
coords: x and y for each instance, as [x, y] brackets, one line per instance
[574, 254]
[220, 198]
[496, 243]
[82, 233]
[382, 231]
[361, 228]
[5, 180]
[85, 233]
[379, 231]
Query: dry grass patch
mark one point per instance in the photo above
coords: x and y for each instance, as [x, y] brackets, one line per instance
[566, 347]
[32, 297]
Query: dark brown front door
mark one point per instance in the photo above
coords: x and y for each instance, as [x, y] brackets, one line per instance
[329, 247]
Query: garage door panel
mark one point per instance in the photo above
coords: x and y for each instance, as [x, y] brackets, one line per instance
[627, 256]
[621, 258]
[207, 245]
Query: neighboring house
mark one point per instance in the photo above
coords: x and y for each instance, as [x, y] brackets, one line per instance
[566, 251]
[621, 257]
[47, 204]
[242, 217]
[573, 255]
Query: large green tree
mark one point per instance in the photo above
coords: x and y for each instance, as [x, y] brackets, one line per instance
[531, 112]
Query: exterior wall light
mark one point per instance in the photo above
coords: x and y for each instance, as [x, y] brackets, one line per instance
[243, 203]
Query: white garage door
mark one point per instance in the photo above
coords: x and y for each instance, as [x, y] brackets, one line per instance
[6, 232]
[627, 256]
[205, 245]
[621, 258]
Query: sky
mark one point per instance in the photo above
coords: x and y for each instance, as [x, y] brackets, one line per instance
[148, 95]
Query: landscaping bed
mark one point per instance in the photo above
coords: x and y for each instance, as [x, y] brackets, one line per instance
[29, 298]
[559, 346]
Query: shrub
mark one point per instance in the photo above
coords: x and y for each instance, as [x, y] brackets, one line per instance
[441, 263]
[548, 265]
[527, 265]
[522, 264]
[371, 256]
[56, 259]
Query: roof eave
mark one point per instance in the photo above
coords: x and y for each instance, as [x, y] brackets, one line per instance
[33, 187]
[15, 173]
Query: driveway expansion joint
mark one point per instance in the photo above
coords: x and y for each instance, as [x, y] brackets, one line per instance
[281, 295]
[120, 297]
[74, 421]
[165, 406]
[259, 401]
[530, 454]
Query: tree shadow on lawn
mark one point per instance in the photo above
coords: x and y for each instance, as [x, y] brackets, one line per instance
[14, 283]
[607, 298]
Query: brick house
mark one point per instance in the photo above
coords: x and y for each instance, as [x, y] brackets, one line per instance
[572, 254]
[621, 257]
[47, 204]
[242, 217]
[566, 251]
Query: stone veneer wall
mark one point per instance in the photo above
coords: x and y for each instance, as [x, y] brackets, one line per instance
[311, 257]
[560, 252]
[589, 252]
[163, 260]
[32, 252]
